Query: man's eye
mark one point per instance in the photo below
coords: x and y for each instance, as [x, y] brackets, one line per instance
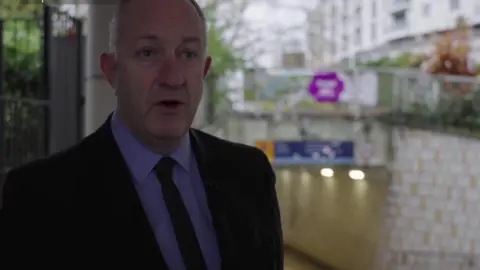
[190, 54]
[146, 53]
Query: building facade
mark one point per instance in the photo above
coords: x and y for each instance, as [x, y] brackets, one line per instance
[370, 29]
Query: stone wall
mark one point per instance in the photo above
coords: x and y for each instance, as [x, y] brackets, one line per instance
[433, 211]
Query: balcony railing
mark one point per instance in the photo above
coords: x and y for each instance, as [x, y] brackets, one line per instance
[407, 97]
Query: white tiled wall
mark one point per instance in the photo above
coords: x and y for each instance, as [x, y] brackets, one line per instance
[433, 212]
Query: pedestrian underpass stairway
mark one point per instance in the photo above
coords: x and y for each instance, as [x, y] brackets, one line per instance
[433, 210]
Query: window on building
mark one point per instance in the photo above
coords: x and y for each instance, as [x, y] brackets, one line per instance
[400, 20]
[358, 36]
[358, 13]
[374, 9]
[426, 9]
[454, 4]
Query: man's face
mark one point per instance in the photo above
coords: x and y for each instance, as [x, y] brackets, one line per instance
[159, 66]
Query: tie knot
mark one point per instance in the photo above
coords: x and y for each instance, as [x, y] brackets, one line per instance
[165, 164]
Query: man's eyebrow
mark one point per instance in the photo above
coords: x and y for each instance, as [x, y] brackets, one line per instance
[191, 39]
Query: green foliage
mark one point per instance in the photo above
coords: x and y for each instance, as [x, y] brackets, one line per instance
[223, 55]
[19, 8]
[22, 38]
[219, 96]
[452, 114]
[382, 62]
[249, 94]
[225, 58]
[404, 60]
[459, 115]
[22, 63]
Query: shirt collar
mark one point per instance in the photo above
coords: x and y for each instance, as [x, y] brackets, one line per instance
[140, 159]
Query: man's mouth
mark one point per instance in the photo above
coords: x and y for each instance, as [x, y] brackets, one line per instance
[170, 103]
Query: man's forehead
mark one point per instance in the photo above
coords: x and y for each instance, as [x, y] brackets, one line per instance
[163, 31]
[159, 7]
[178, 15]
[161, 21]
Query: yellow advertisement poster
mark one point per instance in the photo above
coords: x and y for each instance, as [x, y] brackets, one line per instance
[268, 147]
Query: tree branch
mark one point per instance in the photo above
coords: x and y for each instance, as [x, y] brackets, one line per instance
[237, 19]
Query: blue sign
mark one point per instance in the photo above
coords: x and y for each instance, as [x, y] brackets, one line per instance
[326, 87]
[314, 152]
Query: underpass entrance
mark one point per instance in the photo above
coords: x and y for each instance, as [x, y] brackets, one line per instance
[331, 195]
[333, 214]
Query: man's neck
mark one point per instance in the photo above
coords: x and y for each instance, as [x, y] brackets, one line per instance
[163, 146]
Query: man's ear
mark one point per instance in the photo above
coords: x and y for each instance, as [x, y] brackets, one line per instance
[208, 65]
[108, 66]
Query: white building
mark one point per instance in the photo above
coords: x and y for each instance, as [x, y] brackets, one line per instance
[370, 29]
[317, 43]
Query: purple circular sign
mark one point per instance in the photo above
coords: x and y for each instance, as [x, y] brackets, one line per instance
[326, 87]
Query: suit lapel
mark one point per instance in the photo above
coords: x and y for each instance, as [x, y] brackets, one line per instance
[218, 199]
[122, 204]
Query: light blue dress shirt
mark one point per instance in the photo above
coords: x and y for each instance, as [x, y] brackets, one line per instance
[141, 162]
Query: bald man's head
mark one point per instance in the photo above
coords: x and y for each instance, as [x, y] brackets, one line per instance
[115, 25]
[158, 55]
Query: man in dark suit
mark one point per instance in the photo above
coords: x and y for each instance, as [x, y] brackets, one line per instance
[146, 191]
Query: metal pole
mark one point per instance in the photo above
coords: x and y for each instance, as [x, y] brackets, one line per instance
[47, 35]
[79, 78]
[3, 152]
[355, 104]
[352, 62]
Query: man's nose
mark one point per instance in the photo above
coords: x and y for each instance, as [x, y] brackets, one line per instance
[171, 73]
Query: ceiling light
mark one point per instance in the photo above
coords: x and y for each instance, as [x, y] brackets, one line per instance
[356, 174]
[326, 172]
